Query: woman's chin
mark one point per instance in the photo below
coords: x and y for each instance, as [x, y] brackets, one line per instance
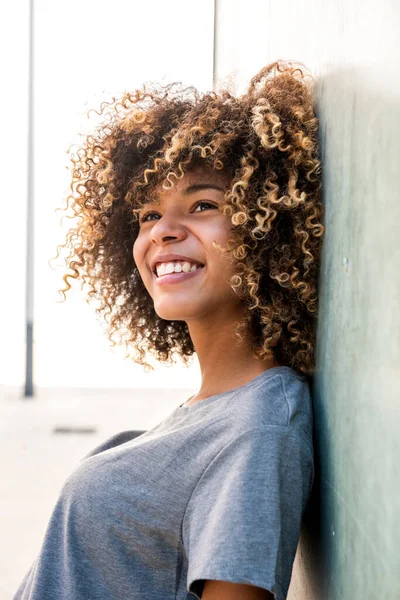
[173, 313]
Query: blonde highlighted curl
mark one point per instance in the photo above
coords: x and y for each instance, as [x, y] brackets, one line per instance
[267, 141]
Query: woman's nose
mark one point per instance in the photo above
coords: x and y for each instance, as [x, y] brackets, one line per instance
[168, 227]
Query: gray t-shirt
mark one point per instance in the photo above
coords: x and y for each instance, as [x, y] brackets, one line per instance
[217, 490]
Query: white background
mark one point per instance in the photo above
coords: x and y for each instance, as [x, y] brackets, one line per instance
[85, 53]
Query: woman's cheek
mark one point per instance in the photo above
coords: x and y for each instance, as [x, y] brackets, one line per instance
[138, 256]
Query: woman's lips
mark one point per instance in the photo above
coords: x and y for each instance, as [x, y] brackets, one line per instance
[176, 277]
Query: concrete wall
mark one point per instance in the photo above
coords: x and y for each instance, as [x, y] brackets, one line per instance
[350, 539]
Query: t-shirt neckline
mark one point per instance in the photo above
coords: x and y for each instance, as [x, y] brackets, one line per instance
[267, 374]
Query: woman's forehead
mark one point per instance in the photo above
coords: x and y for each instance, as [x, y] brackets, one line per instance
[194, 180]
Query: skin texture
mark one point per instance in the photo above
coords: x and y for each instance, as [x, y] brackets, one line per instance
[188, 224]
[179, 226]
[225, 590]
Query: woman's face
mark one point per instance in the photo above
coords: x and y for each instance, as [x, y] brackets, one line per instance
[178, 234]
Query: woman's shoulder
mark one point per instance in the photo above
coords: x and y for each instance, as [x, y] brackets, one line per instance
[279, 397]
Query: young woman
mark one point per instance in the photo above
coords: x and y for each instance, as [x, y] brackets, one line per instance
[200, 232]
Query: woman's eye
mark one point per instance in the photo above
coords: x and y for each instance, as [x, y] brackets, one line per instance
[149, 214]
[199, 207]
[206, 204]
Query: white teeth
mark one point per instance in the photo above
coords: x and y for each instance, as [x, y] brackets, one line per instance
[175, 267]
[161, 269]
[169, 268]
[186, 267]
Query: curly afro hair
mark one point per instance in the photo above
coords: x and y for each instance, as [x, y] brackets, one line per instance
[267, 141]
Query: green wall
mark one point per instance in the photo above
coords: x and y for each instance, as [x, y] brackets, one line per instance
[350, 540]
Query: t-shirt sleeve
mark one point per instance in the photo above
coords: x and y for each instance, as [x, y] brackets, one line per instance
[242, 522]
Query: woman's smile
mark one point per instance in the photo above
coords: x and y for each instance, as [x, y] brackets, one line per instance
[176, 277]
[183, 271]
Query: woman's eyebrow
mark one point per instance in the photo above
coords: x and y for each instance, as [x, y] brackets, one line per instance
[197, 187]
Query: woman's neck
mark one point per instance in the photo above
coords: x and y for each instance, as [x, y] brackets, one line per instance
[224, 365]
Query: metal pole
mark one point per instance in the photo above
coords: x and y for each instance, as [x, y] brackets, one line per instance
[29, 391]
[215, 46]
